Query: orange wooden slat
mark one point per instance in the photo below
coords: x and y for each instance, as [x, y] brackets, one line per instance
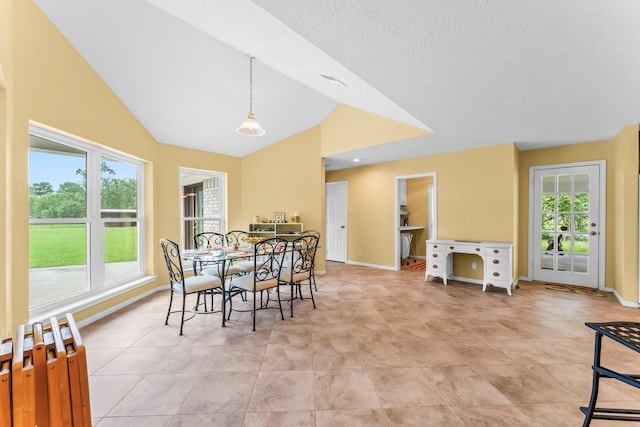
[23, 380]
[39, 355]
[57, 377]
[6, 354]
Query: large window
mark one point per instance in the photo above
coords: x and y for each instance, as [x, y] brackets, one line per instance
[202, 203]
[86, 220]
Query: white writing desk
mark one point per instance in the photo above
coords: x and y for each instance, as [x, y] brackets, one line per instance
[497, 259]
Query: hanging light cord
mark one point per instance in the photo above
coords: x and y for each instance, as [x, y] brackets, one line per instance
[251, 58]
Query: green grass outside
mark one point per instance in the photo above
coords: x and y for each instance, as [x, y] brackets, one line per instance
[59, 245]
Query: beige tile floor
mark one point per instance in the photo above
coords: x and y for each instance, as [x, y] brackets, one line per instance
[382, 349]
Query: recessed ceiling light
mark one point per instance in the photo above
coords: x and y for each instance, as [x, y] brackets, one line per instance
[335, 80]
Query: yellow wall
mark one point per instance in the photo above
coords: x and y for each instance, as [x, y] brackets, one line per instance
[626, 211]
[465, 180]
[286, 177]
[348, 128]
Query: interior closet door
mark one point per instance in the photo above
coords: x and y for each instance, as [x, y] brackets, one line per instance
[336, 214]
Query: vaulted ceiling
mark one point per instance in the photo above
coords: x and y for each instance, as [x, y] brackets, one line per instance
[475, 72]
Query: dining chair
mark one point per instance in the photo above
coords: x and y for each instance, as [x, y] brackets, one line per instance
[267, 258]
[317, 234]
[186, 285]
[300, 268]
[208, 240]
[239, 237]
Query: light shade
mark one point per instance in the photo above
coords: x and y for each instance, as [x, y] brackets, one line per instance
[250, 127]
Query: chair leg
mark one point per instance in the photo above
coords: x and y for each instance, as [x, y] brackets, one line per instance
[311, 292]
[254, 309]
[280, 302]
[223, 309]
[184, 303]
[292, 298]
[166, 321]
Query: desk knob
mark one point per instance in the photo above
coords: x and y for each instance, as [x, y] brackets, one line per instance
[496, 274]
[496, 261]
[435, 255]
[435, 246]
[496, 251]
[477, 249]
[451, 247]
[434, 266]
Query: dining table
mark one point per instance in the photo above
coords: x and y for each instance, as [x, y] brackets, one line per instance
[221, 257]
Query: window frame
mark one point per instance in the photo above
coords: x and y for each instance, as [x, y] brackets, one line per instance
[97, 290]
[222, 185]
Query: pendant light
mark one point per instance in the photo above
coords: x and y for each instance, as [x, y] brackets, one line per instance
[250, 127]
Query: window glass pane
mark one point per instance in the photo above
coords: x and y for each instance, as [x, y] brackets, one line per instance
[547, 261]
[564, 221]
[549, 184]
[580, 263]
[564, 183]
[120, 251]
[118, 187]
[546, 241]
[582, 223]
[581, 243]
[57, 262]
[549, 203]
[564, 203]
[57, 187]
[581, 202]
[202, 207]
[581, 182]
[548, 222]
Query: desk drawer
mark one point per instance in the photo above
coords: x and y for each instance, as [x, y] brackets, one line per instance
[436, 268]
[497, 273]
[466, 248]
[435, 256]
[498, 251]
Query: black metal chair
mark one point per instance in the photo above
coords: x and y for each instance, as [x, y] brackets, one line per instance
[208, 240]
[311, 233]
[186, 285]
[302, 258]
[236, 237]
[317, 234]
[239, 238]
[268, 258]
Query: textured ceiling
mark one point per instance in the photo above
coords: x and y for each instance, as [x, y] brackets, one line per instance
[476, 72]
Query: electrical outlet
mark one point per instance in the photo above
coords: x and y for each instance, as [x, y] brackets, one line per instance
[474, 265]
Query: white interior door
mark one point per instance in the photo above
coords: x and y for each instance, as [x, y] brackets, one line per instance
[566, 228]
[336, 229]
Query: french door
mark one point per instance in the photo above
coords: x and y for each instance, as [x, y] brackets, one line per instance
[566, 228]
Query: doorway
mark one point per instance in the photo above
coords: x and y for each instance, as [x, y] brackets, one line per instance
[336, 227]
[566, 236]
[416, 206]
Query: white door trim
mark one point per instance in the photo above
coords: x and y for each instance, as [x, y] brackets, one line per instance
[396, 229]
[602, 164]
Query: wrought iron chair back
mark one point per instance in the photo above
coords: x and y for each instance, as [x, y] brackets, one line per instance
[171, 252]
[236, 237]
[208, 239]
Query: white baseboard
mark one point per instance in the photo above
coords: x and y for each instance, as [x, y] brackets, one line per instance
[365, 264]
